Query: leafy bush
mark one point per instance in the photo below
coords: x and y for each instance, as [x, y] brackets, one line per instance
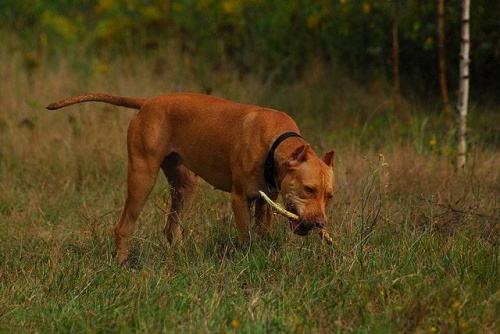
[277, 37]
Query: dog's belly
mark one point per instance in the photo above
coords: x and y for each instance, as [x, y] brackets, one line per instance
[215, 170]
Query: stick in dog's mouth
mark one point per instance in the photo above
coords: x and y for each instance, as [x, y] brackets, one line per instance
[323, 234]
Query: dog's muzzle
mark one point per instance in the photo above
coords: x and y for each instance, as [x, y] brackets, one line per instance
[302, 226]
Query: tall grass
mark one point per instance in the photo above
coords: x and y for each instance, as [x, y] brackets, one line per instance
[417, 246]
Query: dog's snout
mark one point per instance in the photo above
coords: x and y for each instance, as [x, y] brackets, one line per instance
[314, 221]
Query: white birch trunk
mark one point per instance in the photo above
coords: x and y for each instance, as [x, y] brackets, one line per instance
[463, 97]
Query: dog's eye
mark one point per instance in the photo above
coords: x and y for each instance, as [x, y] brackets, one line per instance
[309, 190]
[329, 197]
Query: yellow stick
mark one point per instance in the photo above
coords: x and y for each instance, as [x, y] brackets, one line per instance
[278, 207]
[323, 234]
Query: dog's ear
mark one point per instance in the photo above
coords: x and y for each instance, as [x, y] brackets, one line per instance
[328, 158]
[298, 156]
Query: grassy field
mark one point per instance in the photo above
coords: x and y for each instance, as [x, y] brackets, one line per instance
[417, 246]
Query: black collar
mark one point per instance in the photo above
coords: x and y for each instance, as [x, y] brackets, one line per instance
[269, 166]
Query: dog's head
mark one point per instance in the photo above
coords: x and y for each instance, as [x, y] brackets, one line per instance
[307, 187]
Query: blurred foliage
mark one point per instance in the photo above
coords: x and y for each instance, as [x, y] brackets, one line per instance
[274, 38]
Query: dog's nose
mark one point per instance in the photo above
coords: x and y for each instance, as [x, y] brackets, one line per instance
[314, 221]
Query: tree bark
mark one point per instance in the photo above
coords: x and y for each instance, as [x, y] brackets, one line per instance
[463, 96]
[395, 56]
[442, 62]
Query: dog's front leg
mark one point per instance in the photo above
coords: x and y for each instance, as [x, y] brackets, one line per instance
[263, 216]
[242, 215]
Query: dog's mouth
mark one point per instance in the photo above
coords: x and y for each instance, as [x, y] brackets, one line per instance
[296, 226]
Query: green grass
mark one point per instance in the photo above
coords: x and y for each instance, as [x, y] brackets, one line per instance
[428, 261]
[64, 278]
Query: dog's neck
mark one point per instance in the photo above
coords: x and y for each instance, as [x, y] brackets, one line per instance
[282, 155]
[269, 166]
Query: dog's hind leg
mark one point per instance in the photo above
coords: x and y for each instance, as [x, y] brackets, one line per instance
[141, 179]
[183, 184]
[143, 167]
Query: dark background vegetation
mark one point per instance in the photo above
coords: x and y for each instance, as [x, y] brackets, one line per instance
[275, 39]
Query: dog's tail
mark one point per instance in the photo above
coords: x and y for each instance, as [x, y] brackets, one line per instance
[126, 102]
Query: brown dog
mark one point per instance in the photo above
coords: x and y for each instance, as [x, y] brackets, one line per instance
[236, 148]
